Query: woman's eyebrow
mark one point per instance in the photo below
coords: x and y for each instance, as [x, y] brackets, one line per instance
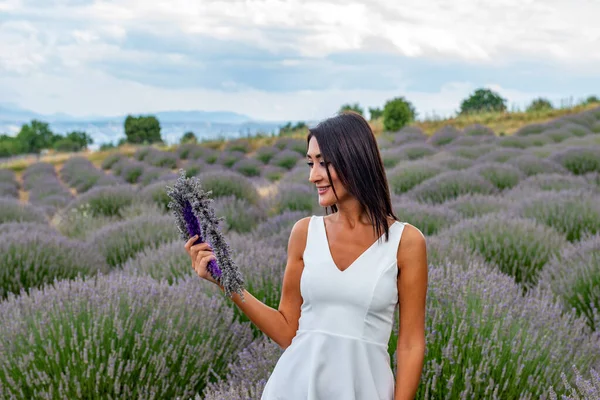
[317, 156]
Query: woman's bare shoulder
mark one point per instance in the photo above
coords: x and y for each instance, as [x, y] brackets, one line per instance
[297, 241]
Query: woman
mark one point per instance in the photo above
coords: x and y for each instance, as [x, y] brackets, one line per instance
[342, 281]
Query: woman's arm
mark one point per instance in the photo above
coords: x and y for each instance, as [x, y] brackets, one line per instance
[281, 325]
[412, 293]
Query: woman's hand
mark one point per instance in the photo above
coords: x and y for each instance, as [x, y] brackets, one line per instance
[200, 254]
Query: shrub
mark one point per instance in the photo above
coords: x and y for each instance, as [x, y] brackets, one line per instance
[297, 145]
[228, 158]
[111, 159]
[519, 247]
[32, 259]
[276, 230]
[229, 183]
[266, 153]
[141, 153]
[449, 185]
[397, 113]
[532, 165]
[539, 104]
[474, 205]
[444, 136]
[156, 193]
[8, 189]
[578, 160]
[414, 151]
[574, 276]
[485, 340]
[12, 210]
[169, 261]
[531, 129]
[239, 145]
[103, 201]
[428, 219]
[116, 337]
[500, 155]
[409, 174]
[523, 142]
[483, 100]
[285, 159]
[503, 176]
[248, 167]
[442, 250]
[409, 134]
[273, 173]
[293, 197]
[210, 156]
[246, 378]
[240, 216]
[551, 181]
[190, 151]
[121, 240]
[80, 174]
[391, 157]
[557, 135]
[478, 130]
[574, 213]
[584, 389]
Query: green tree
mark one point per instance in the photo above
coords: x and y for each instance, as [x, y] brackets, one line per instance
[397, 113]
[142, 129]
[290, 129]
[188, 137]
[540, 104]
[483, 100]
[352, 107]
[81, 138]
[67, 145]
[591, 99]
[34, 137]
[375, 113]
[9, 146]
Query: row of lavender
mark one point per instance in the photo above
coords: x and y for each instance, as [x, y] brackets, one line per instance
[497, 254]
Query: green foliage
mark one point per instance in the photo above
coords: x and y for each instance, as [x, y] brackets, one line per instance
[289, 128]
[397, 113]
[352, 107]
[483, 100]
[142, 129]
[591, 100]
[375, 113]
[188, 137]
[540, 104]
[34, 137]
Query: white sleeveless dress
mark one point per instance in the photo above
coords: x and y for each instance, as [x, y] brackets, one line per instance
[340, 348]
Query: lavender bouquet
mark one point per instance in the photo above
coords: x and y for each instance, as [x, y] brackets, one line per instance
[195, 215]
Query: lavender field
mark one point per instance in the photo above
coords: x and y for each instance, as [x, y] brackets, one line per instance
[98, 299]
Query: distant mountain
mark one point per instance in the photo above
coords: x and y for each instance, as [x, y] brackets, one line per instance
[14, 114]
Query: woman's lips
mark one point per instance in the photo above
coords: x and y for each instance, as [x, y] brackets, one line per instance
[323, 190]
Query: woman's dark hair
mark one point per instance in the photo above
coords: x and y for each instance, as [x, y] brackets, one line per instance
[347, 142]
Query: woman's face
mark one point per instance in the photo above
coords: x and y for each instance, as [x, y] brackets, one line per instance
[318, 176]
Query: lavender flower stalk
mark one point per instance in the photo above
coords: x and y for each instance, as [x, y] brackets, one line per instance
[194, 215]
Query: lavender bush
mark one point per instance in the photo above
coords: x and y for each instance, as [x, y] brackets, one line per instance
[550, 182]
[409, 174]
[31, 259]
[428, 219]
[485, 340]
[266, 153]
[191, 151]
[228, 158]
[574, 213]
[531, 129]
[474, 205]
[229, 183]
[582, 390]
[557, 135]
[247, 377]
[444, 136]
[248, 167]
[273, 173]
[574, 276]
[161, 158]
[120, 240]
[80, 174]
[111, 159]
[579, 160]
[9, 189]
[500, 155]
[478, 130]
[12, 210]
[242, 145]
[502, 176]
[409, 134]
[292, 197]
[192, 208]
[449, 161]
[116, 337]
[239, 215]
[449, 185]
[519, 247]
[470, 152]
[532, 165]
[285, 159]
[103, 201]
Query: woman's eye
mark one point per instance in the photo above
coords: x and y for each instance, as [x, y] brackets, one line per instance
[310, 164]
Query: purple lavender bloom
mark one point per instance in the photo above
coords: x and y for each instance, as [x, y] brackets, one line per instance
[194, 214]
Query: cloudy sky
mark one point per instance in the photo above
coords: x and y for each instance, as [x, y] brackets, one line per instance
[292, 59]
